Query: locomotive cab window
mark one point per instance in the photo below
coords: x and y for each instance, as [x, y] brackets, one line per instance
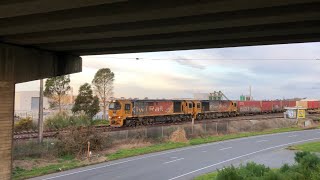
[127, 106]
[235, 104]
[198, 105]
[114, 106]
[190, 105]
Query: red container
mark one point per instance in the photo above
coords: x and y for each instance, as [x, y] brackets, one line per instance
[152, 107]
[288, 104]
[277, 106]
[313, 104]
[266, 106]
[249, 107]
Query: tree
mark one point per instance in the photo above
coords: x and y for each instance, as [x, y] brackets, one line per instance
[103, 86]
[85, 102]
[56, 88]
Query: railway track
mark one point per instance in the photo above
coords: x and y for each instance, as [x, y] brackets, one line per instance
[53, 133]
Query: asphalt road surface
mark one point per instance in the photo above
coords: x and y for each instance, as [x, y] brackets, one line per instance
[186, 163]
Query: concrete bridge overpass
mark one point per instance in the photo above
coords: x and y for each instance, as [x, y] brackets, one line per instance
[45, 38]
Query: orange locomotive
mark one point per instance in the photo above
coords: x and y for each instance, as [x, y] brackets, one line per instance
[145, 112]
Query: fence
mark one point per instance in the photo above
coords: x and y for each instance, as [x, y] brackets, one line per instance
[202, 129]
[31, 148]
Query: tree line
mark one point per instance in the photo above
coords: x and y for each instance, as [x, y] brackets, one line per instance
[89, 95]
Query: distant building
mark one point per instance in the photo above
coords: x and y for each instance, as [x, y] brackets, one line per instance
[28, 101]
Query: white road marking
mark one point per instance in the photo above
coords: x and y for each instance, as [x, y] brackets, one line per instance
[225, 148]
[173, 151]
[204, 151]
[261, 141]
[293, 136]
[173, 161]
[173, 157]
[238, 157]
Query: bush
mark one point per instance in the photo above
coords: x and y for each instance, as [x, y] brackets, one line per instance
[307, 167]
[25, 124]
[62, 120]
[75, 142]
[58, 121]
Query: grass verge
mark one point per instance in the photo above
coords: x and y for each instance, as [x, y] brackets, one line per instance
[310, 147]
[19, 173]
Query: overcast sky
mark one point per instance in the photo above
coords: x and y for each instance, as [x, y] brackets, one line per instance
[274, 72]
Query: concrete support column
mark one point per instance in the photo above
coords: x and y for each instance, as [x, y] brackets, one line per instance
[6, 128]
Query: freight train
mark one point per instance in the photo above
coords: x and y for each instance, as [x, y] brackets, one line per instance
[132, 113]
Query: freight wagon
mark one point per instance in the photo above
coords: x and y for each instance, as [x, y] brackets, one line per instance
[249, 107]
[277, 106]
[313, 105]
[266, 106]
[286, 103]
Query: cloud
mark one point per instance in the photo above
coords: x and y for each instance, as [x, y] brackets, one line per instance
[182, 73]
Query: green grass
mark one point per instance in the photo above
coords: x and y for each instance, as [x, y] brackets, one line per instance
[66, 163]
[208, 176]
[310, 147]
[20, 173]
[210, 139]
[123, 153]
[100, 122]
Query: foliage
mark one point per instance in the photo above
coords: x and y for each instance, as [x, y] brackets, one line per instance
[307, 167]
[103, 86]
[75, 142]
[24, 124]
[57, 121]
[85, 102]
[62, 120]
[56, 88]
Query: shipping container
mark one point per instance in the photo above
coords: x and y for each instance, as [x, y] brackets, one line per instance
[313, 104]
[277, 106]
[286, 103]
[249, 107]
[303, 104]
[266, 106]
[154, 107]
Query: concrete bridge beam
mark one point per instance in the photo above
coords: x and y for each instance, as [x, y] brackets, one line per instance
[20, 64]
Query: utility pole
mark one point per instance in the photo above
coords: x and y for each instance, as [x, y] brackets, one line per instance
[40, 121]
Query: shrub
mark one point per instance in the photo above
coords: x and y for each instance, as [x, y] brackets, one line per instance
[25, 124]
[307, 167]
[75, 142]
[229, 173]
[62, 120]
[58, 121]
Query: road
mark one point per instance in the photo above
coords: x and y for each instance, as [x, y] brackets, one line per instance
[186, 163]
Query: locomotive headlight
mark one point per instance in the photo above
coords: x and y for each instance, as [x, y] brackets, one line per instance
[119, 117]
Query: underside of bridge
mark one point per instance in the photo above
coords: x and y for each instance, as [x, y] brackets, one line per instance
[44, 38]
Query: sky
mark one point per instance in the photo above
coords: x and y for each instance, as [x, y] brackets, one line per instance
[273, 72]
